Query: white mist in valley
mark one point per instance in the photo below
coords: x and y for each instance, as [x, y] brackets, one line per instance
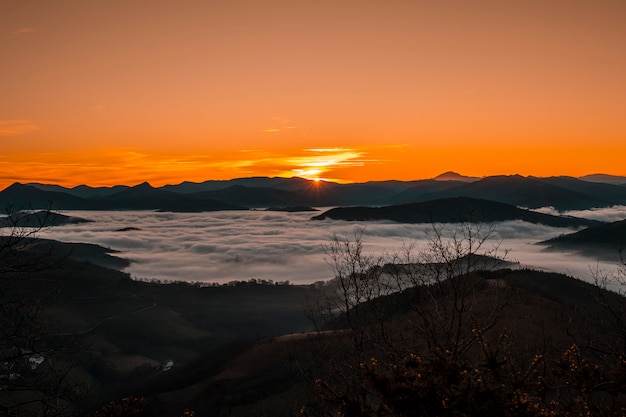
[226, 246]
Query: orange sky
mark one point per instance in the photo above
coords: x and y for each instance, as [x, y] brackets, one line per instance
[110, 92]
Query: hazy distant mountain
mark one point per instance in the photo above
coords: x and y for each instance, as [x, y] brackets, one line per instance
[603, 241]
[142, 194]
[529, 192]
[322, 193]
[453, 176]
[250, 196]
[425, 190]
[50, 187]
[313, 193]
[607, 179]
[91, 192]
[292, 209]
[280, 183]
[392, 185]
[84, 191]
[451, 210]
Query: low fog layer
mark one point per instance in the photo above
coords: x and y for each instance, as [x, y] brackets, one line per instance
[240, 245]
[606, 214]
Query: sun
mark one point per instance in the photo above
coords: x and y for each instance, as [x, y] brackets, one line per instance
[309, 173]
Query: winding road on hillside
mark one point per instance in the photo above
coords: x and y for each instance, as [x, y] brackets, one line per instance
[106, 319]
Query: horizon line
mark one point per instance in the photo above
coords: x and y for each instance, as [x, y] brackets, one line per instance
[315, 180]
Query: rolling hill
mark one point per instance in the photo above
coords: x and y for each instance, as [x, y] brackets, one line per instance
[451, 210]
[39, 219]
[605, 241]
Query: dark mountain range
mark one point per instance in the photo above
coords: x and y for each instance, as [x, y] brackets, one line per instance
[146, 197]
[528, 192]
[562, 193]
[290, 184]
[140, 197]
[24, 197]
[451, 210]
[609, 194]
[605, 241]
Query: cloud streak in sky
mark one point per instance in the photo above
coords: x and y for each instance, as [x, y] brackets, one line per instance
[133, 166]
[16, 127]
[24, 31]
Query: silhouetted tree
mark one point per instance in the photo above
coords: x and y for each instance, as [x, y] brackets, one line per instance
[34, 364]
[433, 288]
[415, 335]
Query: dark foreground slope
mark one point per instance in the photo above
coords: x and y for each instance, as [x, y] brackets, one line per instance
[128, 337]
[451, 210]
[544, 314]
[247, 348]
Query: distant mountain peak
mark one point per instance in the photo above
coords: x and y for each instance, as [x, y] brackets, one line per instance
[143, 186]
[20, 186]
[454, 176]
[605, 178]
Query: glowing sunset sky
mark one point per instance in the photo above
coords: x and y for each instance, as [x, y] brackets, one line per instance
[124, 91]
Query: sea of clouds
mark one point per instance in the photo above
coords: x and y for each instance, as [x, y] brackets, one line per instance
[240, 245]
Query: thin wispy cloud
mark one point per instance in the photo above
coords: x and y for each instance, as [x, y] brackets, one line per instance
[318, 161]
[132, 166]
[604, 214]
[279, 124]
[16, 127]
[24, 31]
